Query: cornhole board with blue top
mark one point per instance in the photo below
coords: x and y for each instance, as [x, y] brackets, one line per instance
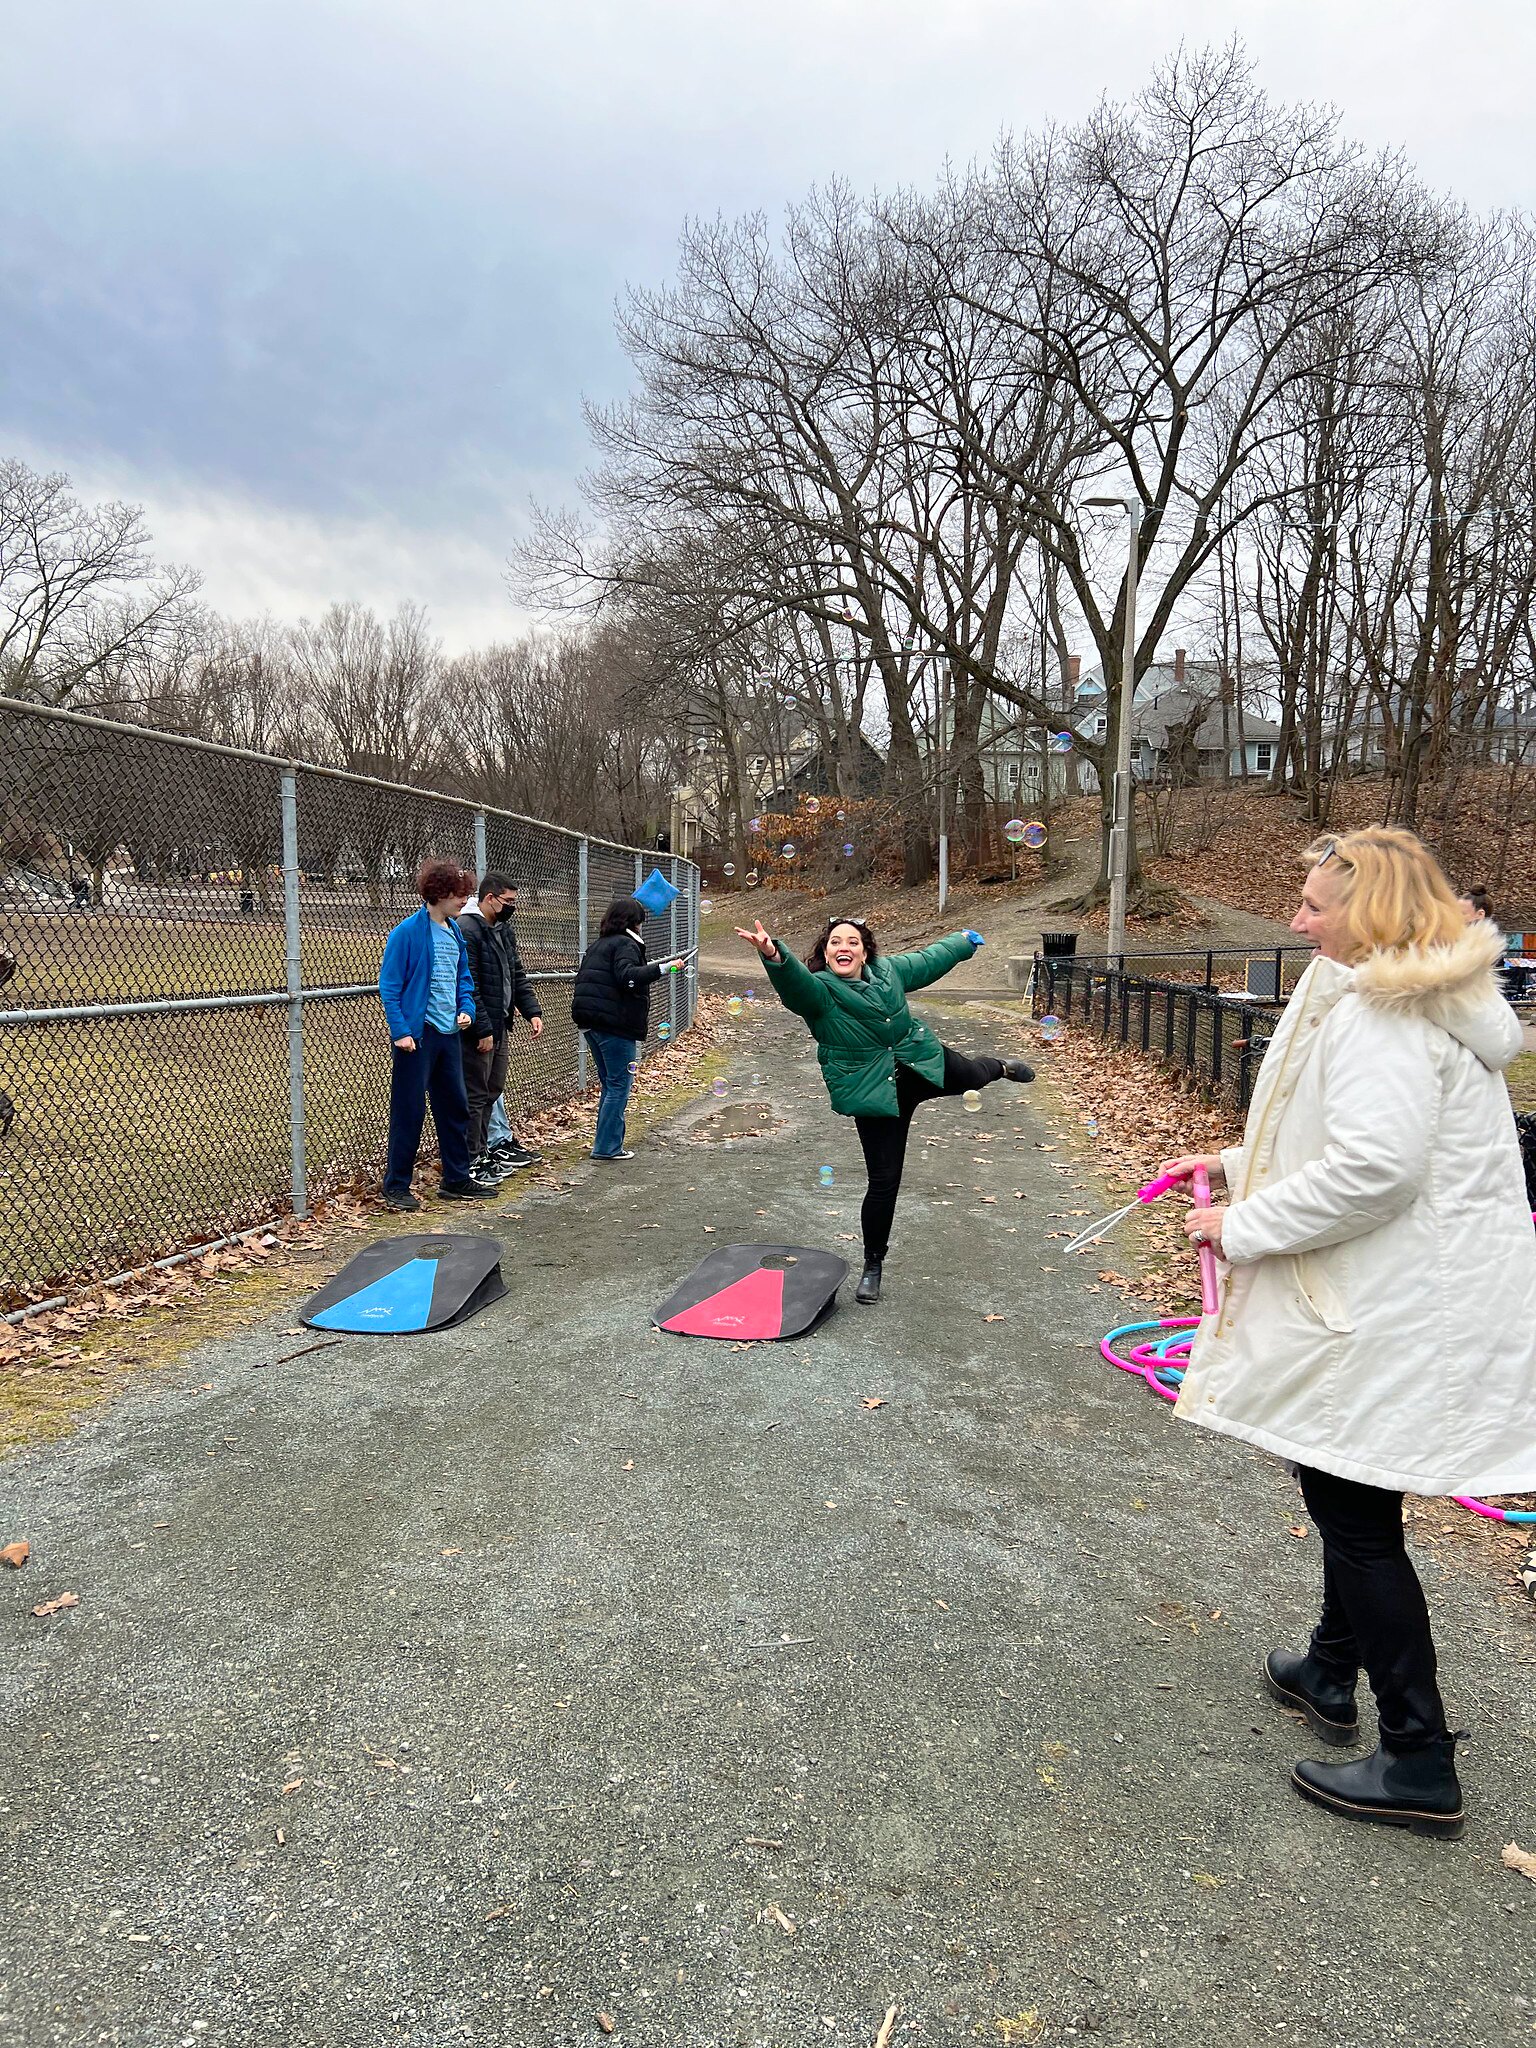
[656, 892]
[410, 1283]
[753, 1291]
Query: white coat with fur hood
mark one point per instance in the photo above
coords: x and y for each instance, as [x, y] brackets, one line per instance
[1377, 1316]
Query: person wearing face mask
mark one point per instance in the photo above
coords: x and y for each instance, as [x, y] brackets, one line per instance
[503, 991]
[878, 1061]
[1376, 1325]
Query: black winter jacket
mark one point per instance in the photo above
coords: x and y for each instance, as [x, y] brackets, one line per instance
[613, 987]
[501, 980]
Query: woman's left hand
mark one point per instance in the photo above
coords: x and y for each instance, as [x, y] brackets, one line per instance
[1204, 1226]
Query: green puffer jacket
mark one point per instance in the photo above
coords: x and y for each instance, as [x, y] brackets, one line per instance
[862, 1028]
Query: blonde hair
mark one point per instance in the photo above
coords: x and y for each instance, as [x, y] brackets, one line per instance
[1391, 889]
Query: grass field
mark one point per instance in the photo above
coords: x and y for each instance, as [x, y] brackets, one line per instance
[133, 1137]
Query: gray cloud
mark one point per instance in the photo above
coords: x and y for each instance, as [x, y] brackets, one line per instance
[351, 263]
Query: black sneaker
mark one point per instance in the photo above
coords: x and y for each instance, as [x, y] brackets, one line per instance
[470, 1190]
[404, 1204]
[519, 1155]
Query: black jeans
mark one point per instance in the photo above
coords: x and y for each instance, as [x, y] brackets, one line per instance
[884, 1138]
[1374, 1611]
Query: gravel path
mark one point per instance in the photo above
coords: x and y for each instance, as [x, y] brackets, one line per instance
[478, 1687]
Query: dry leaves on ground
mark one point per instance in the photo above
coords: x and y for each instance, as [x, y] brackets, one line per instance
[57, 1605]
[1516, 1858]
[15, 1555]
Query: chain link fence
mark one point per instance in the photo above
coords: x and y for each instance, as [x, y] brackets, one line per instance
[191, 1038]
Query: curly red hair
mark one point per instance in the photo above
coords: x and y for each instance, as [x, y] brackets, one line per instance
[440, 878]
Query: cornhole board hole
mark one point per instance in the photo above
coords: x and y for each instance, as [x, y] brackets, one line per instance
[410, 1283]
[753, 1291]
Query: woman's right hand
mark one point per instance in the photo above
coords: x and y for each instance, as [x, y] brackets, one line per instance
[1184, 1167]
[760, 940]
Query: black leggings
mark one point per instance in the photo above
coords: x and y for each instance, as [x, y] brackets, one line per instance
[1373, 1606]
[884, 1138]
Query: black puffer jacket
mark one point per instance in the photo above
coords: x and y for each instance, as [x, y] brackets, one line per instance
[613, 987]
[501, 980]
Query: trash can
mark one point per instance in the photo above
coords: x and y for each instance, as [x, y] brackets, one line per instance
[1058, 945]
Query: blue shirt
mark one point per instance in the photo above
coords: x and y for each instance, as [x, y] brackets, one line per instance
[443, 995]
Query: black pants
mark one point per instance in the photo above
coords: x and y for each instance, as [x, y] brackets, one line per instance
[884, 1138]
[435, 1069]
[485, 1076]
[1374, 1611]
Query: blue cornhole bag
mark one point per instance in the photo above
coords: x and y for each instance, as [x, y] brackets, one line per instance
[656, 892]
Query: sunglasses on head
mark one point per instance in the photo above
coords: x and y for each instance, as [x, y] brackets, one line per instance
[1332, 852]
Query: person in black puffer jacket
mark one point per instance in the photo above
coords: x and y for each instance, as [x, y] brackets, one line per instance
[612, 1008]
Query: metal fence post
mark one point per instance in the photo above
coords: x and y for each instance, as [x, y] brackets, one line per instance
[672, 979]
[583, 857]
[480, 860]
[294, 967]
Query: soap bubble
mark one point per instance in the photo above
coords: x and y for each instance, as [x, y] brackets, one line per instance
[1050, 1029]
[1061, 743]
[729, 868]
[841, 816]
[757, 1080]
[972, 1100]
[750, 878]
[1014, 831]
[1034, 836]
[634, 1066]
[717, 1086]
[789, 849]
[706, 905]
[751, 995]
[754, 824]
[825, 1176]
[1093, 1129]
[663, 1032]
[813, 805]
[848, 851]
[734, 1006]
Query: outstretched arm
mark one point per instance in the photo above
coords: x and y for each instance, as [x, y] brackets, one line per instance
[916, 970]
[794, 984]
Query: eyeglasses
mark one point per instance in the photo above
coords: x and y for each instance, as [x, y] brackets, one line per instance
[1333, 851]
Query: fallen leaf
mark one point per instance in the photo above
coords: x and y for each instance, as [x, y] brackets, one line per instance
[1297, 1529]
[605, 2021]
[873, 1401]
[55, 1606]
[451, 1553]
[781, 1919]
[1206, 1881]
[998, 1319]
[628, 1465]
[1516, 1858]
[15, 1555]
[292, 1786]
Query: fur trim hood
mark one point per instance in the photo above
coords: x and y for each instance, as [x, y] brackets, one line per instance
[1452, 986]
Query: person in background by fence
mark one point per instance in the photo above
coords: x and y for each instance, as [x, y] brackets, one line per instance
[611, 1006]
[1475, 904]
[1377, 1323]
[429, 998]
[502, 991]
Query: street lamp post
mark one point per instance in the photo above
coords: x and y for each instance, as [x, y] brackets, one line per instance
[1120, 801]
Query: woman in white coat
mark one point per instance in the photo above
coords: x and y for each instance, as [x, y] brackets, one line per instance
[1377, 1320]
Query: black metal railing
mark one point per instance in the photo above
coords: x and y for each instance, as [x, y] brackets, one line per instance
[1215, 1034]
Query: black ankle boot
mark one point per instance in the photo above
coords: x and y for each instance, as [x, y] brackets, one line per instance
[869, 1282]
[1327, 1702]
[1399, 1788]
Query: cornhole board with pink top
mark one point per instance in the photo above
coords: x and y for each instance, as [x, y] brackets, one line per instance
[753, 1291]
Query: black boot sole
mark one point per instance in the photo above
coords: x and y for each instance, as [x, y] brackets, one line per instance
[1338, 1734]
[867, 1300]
[1448, 1827]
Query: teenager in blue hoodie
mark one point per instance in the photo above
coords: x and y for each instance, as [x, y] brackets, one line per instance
[429, 998]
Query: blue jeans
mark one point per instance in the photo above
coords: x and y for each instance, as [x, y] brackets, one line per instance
[498, 1131]
[436, 1070]
[613, 1058]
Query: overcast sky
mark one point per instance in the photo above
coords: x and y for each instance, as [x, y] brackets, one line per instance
[323, 282]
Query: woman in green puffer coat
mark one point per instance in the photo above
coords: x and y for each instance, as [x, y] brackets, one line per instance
[878, 1061]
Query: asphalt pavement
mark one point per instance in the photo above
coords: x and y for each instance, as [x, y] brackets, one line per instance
[550, 1674]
